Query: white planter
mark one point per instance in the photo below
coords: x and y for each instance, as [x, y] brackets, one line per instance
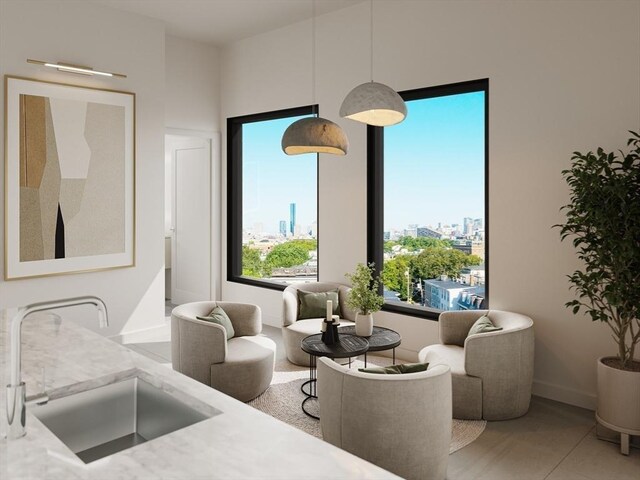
[364, 324]
[619, 401]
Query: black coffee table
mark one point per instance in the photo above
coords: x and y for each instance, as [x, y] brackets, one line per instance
[347, 346]
[381, 339]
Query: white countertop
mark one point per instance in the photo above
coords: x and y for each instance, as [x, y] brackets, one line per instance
[240, 443]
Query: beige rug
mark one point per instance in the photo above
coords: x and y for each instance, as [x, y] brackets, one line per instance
[283, 398]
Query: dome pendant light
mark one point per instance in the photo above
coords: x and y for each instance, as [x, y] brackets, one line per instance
[314, 134]
[374, 103]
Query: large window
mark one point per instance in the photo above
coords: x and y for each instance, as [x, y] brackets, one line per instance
[272, 203]
[427, 201]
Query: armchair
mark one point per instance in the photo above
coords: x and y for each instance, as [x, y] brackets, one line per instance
[401, 423]
[294, 330]
[491, 373]
[241, 367]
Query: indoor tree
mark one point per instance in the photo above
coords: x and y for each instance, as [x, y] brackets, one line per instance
[603, 221]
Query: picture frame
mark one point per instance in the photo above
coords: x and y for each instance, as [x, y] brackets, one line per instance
[69, 178]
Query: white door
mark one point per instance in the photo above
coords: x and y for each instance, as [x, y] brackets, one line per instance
[191, 218]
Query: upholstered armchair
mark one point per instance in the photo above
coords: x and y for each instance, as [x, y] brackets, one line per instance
[241, 367]
[294, 330]
[491, 372]
[401, 423]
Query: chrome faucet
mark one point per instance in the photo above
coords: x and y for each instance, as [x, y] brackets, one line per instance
[16, 391]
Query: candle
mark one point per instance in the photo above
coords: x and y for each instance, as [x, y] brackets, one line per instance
[329, 310]
[336, 319]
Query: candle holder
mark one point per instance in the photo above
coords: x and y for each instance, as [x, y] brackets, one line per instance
[330, 333]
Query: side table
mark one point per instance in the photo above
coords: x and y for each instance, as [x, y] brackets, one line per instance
[381, 339]
[347, 346]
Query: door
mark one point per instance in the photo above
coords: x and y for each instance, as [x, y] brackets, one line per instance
[191, 218]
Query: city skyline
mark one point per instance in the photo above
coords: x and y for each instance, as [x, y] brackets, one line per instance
[421, 155]
[442, 139]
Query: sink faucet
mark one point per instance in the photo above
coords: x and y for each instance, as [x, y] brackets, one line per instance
[16, 391]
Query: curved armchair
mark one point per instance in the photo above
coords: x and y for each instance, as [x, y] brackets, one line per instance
[241, 367]
[294, 330]
[401, 423]
[492, 372]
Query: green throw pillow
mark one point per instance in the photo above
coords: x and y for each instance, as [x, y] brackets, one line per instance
[483, 325]
[314, 305]
[397, 369]
[219, 316]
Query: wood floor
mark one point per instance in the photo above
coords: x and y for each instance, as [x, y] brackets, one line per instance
[554, 441]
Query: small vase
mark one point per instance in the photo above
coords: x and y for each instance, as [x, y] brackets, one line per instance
[364, 324]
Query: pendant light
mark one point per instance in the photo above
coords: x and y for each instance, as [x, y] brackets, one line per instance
[314, 134]
[374, 103]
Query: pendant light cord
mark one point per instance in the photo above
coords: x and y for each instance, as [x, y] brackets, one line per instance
[371, 33]
[313, 56]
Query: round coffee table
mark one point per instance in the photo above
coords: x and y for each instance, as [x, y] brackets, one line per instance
[347, 346]
[381, 339]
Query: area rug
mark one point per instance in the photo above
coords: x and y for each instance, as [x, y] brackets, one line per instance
[283, 398]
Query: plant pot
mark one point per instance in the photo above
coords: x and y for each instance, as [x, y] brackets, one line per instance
[619, 401]
[364, 324]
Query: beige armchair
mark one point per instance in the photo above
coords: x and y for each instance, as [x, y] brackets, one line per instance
[492, 372]
[241, 367]
[401, 423]
[294, 330]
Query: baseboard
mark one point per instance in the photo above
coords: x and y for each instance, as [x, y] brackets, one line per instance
[122, 337]
[563, 394]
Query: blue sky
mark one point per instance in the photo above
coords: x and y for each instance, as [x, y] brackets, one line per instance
[273, 180]
[434, 162]
[434, 168]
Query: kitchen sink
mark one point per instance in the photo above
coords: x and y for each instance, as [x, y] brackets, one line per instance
[105, 420]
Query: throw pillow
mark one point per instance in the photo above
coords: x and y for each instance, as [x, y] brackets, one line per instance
[483, 325]
[219, 316]
[397, 369]
[314, 304]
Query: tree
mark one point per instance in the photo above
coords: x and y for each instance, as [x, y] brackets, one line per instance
[252, 265]
[432, 262]
[418, 243]
[286, 255]
[393, 275]
[307, 244]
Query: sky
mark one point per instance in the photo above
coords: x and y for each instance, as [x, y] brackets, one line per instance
[434, 162]
[271, 180]
[433, 165]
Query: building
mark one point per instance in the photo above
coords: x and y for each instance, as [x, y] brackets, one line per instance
[443, 294]
[427, 232]
[470, 247]
[292, 218]
[283, 228]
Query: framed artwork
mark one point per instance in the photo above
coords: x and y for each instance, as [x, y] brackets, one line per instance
[69, 178]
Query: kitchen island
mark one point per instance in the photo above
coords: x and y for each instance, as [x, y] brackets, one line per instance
[240, 442]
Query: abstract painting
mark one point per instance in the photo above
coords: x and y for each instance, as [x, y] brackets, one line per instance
[70, 173]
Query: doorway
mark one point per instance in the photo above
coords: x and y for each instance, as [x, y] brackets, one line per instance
[191, 211]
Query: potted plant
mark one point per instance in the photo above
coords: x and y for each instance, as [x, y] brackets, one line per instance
[364, 297]
[603, 221]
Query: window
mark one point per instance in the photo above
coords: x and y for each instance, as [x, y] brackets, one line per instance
[427, 201]
[272, 203]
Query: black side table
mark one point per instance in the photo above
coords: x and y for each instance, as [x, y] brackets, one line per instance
[381, 339]
[347, 346]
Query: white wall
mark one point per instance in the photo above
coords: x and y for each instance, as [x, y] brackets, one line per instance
[86, 34]
[192, 85]
[193, 108]
[564, 76]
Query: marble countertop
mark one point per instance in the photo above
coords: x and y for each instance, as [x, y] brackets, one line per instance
[239, 443]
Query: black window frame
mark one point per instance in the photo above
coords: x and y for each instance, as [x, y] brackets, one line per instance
[234, 193]
[375, 188]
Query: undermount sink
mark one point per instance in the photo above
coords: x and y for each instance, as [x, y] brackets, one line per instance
[105, 420]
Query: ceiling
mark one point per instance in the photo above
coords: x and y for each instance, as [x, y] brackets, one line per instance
[219, 22]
